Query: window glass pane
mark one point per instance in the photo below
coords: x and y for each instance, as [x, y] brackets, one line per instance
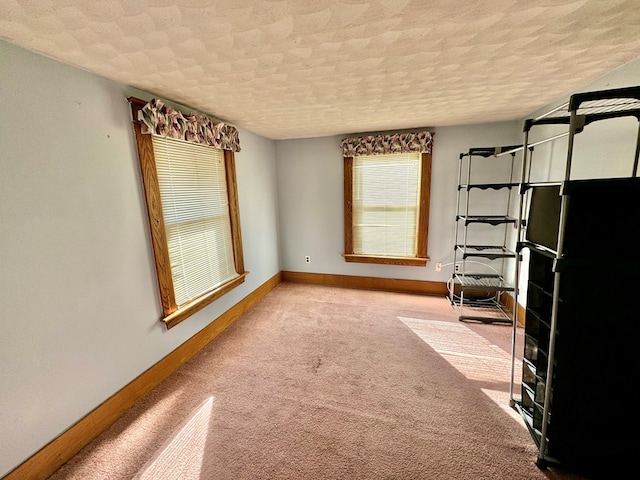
[386, 193]
[195, 206]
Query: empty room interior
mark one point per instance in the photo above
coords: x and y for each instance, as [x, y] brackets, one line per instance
[317, 240]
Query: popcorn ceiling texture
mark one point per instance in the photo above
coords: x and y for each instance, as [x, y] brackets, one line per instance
[293, 69]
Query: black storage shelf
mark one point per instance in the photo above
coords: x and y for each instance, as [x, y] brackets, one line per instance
[546, 251]
[539, 302]
[488, 186]
[487, 219]
[479, 296]
[492, 252]
[485, 281]
[580, 341]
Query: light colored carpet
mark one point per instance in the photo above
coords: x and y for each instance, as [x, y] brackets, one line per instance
[328, 383]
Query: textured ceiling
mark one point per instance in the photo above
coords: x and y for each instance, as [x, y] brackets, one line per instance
[291, 69]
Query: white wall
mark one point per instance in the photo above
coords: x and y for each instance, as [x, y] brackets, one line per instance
[79, 307]
[310, 201]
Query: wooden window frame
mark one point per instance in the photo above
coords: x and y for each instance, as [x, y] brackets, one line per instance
[421, 258]
[172, 315]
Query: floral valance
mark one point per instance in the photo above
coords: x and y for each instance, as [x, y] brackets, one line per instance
[160, 119]
[383, 144]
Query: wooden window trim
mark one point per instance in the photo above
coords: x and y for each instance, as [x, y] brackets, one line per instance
[421, 257]
[171, 314]
[409, 261]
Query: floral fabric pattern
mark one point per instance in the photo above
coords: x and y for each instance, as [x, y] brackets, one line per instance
[160, 119]
[385, 144]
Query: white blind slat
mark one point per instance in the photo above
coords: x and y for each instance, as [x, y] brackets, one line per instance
[195, 206]
[386, 195]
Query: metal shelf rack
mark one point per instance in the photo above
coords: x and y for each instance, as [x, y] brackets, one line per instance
[480, 266]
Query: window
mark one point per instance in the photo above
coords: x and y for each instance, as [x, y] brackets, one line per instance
[387, 199]
[191, 196]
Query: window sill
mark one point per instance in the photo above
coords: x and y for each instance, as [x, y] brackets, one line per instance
[199, 303]
[407, 261]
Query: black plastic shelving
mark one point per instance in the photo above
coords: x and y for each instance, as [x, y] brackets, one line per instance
[579, 342]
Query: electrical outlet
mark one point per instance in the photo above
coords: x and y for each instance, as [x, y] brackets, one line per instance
[438, 267]
[457, 268]
[307, 259]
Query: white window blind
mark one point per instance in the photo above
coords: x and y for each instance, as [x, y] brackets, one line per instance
[386, 193]
[193, 190]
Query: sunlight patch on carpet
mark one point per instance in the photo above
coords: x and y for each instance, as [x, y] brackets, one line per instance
[501, 399]
[471, 354]
[182, 456]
